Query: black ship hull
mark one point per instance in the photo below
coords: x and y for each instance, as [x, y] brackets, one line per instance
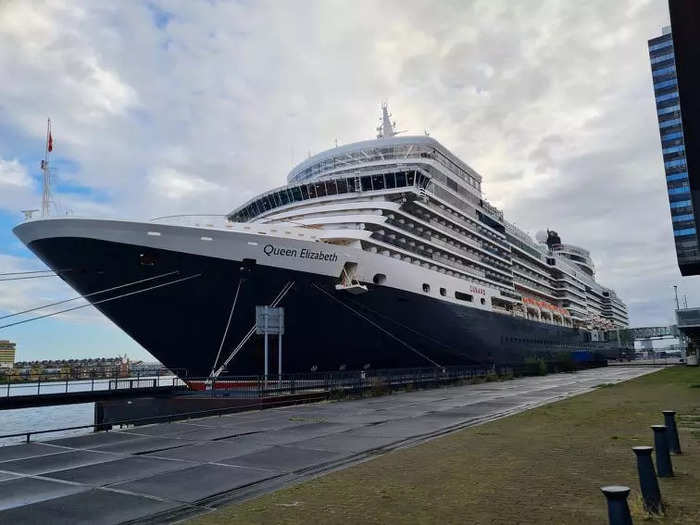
[182, 324]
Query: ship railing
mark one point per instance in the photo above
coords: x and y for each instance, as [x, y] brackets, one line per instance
[492, 210]
[405, 227]
[529, 284]
[477, 258]
[454, 247]
[196, 220]
[456, 218]
[462, 238]
[455, 264]
[474, 227]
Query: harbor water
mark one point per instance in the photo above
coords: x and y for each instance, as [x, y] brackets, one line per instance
[45, 418]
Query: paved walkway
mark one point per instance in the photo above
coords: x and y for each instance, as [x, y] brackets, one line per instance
[166, 472]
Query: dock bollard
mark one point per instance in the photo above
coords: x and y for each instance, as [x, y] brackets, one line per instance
[674, 443]
[618, 511]
[647, 480]
[663, 457]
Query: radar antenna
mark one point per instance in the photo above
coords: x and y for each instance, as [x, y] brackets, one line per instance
[386, 128]
[47, 196]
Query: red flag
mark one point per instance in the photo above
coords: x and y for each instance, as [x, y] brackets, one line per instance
[50, 142]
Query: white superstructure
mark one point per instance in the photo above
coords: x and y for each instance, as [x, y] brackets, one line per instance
[409, 199]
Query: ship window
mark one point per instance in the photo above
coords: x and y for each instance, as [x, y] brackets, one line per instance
[400, 180]
[366, 183]
[423, 181]
[463, 296]
[483, 301]
[351, 186]
[443, 292]
[331, 188]
[410, 177]
[426, 287]
[304, 192]
[390, 180]
[321, 189]
[342, 186]
[379, 278]
[378, 182]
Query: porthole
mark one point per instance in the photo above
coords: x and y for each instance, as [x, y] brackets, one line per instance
[426, 287]
[443, 292]
[379, 278]
[483, 301]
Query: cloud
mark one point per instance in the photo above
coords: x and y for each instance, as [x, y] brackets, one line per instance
[176, 185]
[16, 186]
[176, 107]
[13, 175]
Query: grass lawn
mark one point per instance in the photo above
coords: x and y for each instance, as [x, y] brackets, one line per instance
[542, 466]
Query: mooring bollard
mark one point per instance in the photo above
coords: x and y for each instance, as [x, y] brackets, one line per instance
[647, 480]
[674, 443]
[618, 511]
[663, 457]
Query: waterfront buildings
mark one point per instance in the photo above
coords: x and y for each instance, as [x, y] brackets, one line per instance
[7, 354]
[84, 368]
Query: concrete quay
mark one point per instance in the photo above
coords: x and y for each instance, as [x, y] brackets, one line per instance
[167, 472]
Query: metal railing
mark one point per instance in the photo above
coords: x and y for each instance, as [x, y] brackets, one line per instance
[165, 418]
[257, 387]
[36, 384]
[197, 220]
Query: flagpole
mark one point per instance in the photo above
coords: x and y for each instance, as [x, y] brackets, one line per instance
[46, 195]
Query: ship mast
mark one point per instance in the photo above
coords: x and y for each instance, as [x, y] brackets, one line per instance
[386, 128]
[47, 197]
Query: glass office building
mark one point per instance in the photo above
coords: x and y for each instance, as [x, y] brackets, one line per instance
[673, 146]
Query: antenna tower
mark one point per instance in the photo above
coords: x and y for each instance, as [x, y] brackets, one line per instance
[47, 197]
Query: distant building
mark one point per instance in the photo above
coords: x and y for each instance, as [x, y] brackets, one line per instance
[88, 368]
[7, 354]
[675, 67]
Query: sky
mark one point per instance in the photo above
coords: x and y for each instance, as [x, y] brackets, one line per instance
[195, 106]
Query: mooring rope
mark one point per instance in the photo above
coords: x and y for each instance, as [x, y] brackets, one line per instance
[405, 327]
[228, 323]
[33, 271]
[387, 332]
[88, 295]
[102, 301]
[27, 277]
[250, 333]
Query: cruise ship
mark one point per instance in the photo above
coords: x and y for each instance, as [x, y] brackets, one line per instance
[384, 254]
